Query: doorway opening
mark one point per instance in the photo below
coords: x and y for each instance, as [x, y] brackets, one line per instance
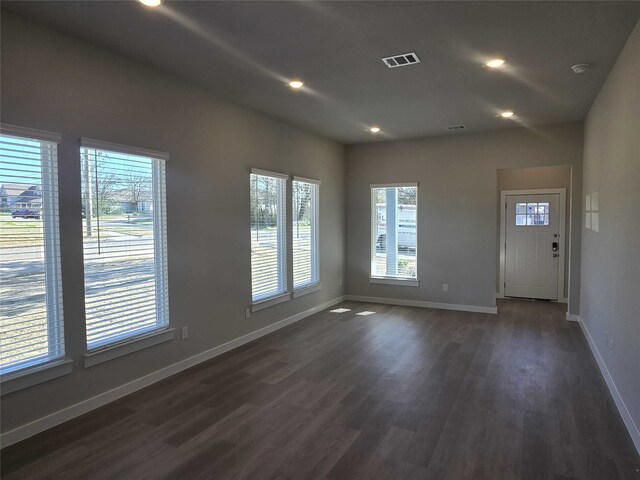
[533, 233]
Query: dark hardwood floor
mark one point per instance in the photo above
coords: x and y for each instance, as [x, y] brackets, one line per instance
[404, 393]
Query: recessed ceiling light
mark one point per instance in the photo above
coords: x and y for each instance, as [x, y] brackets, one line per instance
[507, 114]
[151, 3]
[495, 63]
[374, 129]
[296, 84]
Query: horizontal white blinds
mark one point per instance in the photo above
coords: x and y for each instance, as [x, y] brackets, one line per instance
[394, 238]
[305, 233]
[124, 240]
[268, 236]
[31, 322]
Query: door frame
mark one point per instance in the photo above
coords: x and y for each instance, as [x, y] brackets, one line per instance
[562, 220]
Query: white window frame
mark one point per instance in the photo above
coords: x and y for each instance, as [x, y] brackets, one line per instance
[389, 279]
[282, 294]
[314, 284]
[162, 332]
[54, 365]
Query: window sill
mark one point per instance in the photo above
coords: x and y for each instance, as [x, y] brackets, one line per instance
[405, 282]
[307, 289]
[110, 352]
[14, 381]
[269, 302]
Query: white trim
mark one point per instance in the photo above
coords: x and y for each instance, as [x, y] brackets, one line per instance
[405, 282]
[130, 345]
[20, 379]
[572, 318]
[16, 131]
[387, 185]
[419, 303]
[562, 220]
[270, 301]
[632, 428]
[267, 173]
[73, 411]
[126, 149]
[307, 180]
[307, 289]
[563, 300]
[313, 187]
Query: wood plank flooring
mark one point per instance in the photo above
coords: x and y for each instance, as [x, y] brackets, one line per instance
[405, 393]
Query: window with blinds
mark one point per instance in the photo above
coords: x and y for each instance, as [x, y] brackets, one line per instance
[305, 224]
[394, 231]
[125, 242]
[31, 324]
[268, 235]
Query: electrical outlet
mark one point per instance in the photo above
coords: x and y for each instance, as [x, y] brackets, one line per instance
[340, 282]
[611, 345]
[185, 332]
[445, 287]
[247, 313]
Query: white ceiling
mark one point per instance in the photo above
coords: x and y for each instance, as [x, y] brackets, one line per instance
[246, 51]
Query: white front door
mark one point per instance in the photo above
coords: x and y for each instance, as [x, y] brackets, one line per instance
[532, 242]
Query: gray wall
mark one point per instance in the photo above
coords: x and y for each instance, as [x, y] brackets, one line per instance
[56, 83]
[536, 178]
[457, 223]
[610, 296]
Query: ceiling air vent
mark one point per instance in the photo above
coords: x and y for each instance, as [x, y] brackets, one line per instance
[455, 127]
[401, 60]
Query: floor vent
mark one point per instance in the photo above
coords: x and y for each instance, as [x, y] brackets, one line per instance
[401, 60]
[455, 127]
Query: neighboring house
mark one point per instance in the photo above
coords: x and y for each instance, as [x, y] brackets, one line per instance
[124, 199]
[15, 195]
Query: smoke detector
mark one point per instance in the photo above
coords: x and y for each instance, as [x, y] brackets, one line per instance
[402, 60]
[580, 67]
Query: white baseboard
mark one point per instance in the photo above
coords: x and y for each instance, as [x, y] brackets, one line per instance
[622, 407]
[418, 303]
[573, 318]
[61, 416]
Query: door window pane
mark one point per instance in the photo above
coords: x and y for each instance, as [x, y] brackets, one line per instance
[532, 214]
